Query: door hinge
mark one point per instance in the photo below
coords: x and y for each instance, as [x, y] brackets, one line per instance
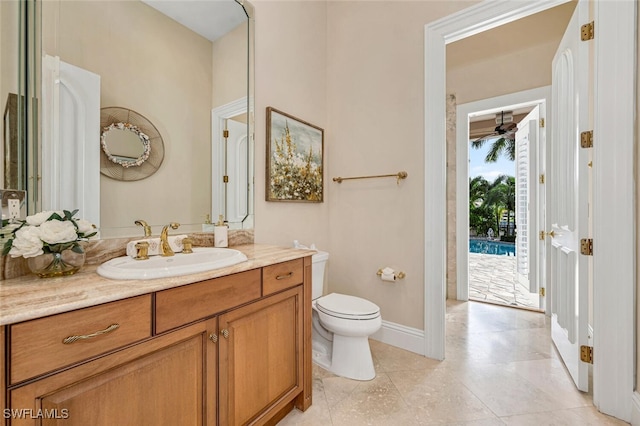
[225, 133]
[542, 122]
[586, 139]
[541, 178]
[541, 235]
[586, 354]
[225, 179]
[542, 292]
[586, 246]
[587, 31]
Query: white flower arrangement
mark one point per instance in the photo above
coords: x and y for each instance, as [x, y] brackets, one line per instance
[49, 232]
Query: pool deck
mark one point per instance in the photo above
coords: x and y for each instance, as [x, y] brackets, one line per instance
[492, 279]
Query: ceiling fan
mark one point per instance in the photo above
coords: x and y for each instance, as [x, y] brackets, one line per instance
[506, 130]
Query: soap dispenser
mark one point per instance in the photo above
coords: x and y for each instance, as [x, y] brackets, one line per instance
[220, 233]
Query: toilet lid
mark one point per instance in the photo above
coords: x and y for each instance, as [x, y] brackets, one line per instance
[344, 306]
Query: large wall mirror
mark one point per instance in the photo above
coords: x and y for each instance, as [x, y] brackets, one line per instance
[19, 62]
[177, 63]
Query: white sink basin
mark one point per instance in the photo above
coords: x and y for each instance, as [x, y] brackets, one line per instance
[202, 259]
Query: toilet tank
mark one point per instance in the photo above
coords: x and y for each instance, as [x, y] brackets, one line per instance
[318, 265]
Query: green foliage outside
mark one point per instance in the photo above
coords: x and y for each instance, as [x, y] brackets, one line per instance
[488, 201]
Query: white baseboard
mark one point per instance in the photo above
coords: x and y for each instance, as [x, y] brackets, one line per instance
[401, 336]
[635, 409]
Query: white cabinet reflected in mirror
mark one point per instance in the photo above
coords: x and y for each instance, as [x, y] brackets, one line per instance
[175, 74]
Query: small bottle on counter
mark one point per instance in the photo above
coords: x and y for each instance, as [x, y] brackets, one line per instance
[207, 226]
[220, 233]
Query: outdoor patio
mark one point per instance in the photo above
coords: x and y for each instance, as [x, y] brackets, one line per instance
[492, 279]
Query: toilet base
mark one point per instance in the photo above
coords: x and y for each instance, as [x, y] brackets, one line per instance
[321, 353]
[352, 358]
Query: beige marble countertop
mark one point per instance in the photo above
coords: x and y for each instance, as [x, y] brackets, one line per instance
[29, 297]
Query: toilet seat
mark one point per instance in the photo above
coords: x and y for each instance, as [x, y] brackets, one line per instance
[347, 307]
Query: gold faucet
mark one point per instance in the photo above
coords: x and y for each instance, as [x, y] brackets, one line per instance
[145, 226]
[165, 248]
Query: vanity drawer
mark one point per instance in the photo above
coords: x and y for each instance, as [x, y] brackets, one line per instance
[282, 275]
[183, 305]
[37, 346]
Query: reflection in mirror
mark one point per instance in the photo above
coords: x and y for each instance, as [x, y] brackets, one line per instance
[174, 73]
[125, 144]
[20, 56]
[14, 147]
[132, 147]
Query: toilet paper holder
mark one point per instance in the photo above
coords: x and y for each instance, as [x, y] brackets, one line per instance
[398, 275]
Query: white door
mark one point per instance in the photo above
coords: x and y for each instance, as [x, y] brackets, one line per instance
[567, 205]
[71, 139]
[237, 169]
[527, 241]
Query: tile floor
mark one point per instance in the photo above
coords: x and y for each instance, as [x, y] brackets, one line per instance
[492, 278]
[500, 368]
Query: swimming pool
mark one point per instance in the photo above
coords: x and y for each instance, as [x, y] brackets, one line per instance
[492, 247]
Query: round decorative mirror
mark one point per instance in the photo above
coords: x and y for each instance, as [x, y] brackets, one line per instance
[132, 148]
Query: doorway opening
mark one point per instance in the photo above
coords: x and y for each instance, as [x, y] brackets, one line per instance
[511, 279]
[503, 146]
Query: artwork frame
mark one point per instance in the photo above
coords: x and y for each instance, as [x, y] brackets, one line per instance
[295, 159]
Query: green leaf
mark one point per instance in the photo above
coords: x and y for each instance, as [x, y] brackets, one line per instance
[77, 248]
[7, 247]
[69, 215]
[55, 216]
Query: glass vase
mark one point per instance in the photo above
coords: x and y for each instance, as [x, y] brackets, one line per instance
[49, 265]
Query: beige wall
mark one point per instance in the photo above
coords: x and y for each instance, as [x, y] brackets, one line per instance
[348, 67]
[229, 82]
[158, 68]
[291, 68]
[507, 59]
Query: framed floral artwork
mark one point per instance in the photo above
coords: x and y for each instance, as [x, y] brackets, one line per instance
[295, 168]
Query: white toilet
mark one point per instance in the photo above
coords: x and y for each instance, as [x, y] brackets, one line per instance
[341, 328]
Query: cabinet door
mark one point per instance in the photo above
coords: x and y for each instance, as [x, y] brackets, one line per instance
[260, 358]
[168, 380]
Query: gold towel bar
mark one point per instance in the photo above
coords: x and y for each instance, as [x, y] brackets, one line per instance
[398, 176]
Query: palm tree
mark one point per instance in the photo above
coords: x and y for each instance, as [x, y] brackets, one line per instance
[500, 146]
[480, 217]
[501, 196]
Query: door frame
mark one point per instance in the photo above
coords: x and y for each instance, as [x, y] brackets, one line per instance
[526, 97]
[613, 301]
[218, 116]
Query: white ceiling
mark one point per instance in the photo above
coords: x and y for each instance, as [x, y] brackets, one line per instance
[209, 18]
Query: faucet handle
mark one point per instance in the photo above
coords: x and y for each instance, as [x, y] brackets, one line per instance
[142, 248]
[187, 244]
[145, 226]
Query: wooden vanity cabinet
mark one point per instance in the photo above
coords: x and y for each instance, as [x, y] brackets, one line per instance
[260, 358]
[233, 350]
[167, 380]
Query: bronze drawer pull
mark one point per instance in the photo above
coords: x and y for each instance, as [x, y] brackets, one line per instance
[69, 340]
[284, 277]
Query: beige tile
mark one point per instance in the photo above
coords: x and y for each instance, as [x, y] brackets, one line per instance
[505, 392]
[318, 414]
[580, 416]
[376, 402]
[500, 368]
[550, 376]
[389, 358]
[436, 395]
